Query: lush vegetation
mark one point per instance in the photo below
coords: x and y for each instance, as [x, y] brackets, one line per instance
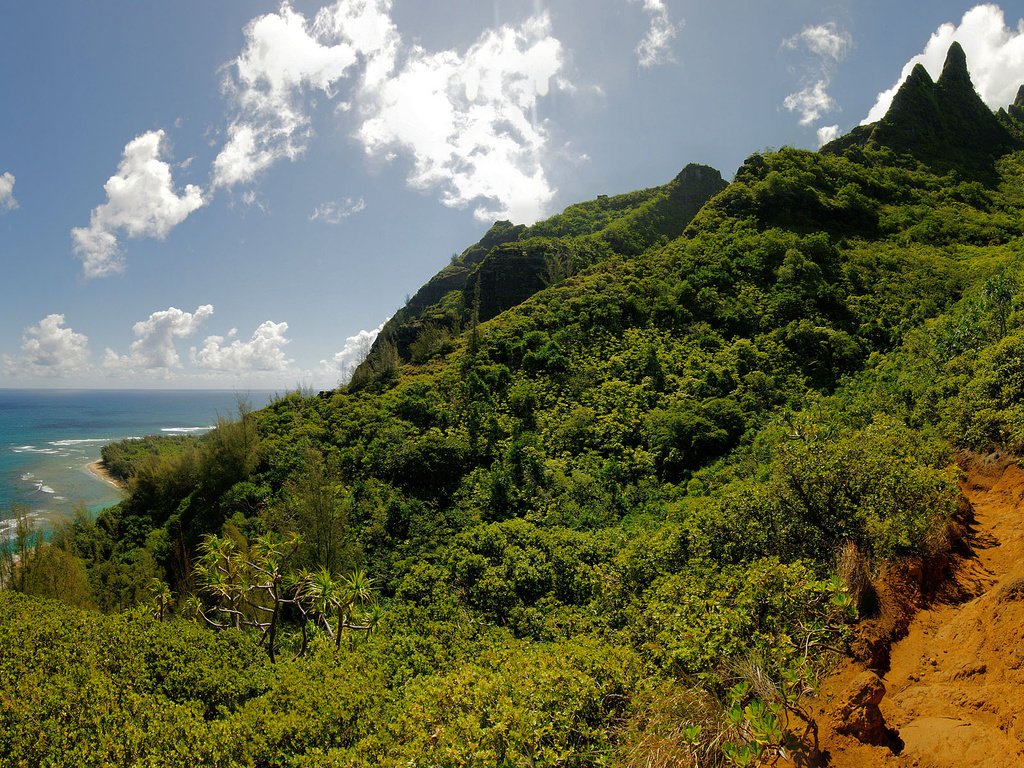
[627, 521]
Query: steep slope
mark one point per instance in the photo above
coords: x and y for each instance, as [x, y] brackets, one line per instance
[602, 524]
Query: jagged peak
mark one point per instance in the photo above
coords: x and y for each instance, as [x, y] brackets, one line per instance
[955, 71]
[916, 96]
[918, 76]
[1019, 101]
[943, 123]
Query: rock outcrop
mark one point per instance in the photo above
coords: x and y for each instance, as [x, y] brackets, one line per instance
[859, 715]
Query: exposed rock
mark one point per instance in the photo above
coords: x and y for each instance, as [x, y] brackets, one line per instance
[513, 262]
[955, 677]
[859, 715]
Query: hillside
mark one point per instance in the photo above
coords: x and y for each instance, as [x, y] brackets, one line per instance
[512, 263]
[614, 489]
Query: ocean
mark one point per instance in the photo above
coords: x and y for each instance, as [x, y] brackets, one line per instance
[47, 437]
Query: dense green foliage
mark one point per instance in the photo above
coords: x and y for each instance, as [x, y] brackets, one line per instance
[511, 263]
[123, 458]
[600, 527]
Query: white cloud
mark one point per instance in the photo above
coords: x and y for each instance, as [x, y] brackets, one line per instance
[825, 46]
[468, 120]
[366, 25]
[812, 102]
[262, 352]
[345, 362]
[153, 347]
[141, 202]
[335, 211]
[286, 56]
[7, 201]
[827, 133]
[995, 56]
[824, 40]
[50, 349]
[656, 47]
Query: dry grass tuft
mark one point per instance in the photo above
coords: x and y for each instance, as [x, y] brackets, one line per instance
[854, 569]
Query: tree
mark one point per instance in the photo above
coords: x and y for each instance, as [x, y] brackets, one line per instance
[251, 589]
[322, 596]
[54, 572]
[998, 292]
[319, 506]
[247, 589]
[15, 550]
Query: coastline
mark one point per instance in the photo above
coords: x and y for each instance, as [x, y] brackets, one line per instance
[99, 470]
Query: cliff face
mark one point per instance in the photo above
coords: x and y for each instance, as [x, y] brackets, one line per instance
[454, 276]
[942, 124]
[429, 305]
[511, 263]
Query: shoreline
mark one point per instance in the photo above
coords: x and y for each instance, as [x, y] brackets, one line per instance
[99, 470]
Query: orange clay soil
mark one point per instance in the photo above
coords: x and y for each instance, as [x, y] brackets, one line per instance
[954, 676]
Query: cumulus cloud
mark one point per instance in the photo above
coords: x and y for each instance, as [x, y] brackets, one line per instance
[141, 202]
[656, 46]
[995, 56]
[264, 351]
[50, 349]
[345, 362]
[7, 201]
[336, 211]
[153, 347]
[827, 133]
[824, 40]
[467, 120]
[811, 103]
[286, 57]
[824, 46]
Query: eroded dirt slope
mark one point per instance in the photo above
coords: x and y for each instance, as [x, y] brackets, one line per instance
[955, 683]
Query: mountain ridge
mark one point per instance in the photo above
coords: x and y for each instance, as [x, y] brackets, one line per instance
[942, 123]
[512, 262]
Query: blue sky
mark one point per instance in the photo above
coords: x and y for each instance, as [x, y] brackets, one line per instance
[236, 193]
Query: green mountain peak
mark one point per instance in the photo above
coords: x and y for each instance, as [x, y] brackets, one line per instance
[607, 474]
[943, 124]
[954, 71]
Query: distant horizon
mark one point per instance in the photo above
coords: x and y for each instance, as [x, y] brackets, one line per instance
[233, 390]
[49, 435]
[144, 389]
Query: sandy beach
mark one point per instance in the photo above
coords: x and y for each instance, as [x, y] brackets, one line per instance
[99, 469]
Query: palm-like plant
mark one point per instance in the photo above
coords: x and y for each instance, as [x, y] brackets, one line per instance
[162, 597]
[357, 592]
[249, 589]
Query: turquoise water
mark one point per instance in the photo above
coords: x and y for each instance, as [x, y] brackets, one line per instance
[47, 437]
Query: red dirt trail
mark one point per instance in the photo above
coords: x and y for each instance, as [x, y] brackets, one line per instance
[955, 682]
